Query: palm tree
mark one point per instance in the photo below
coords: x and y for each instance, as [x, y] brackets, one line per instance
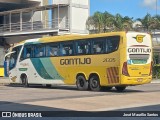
[155, 23]
[127, 23]
[98, 20]
[122, 23]
[107, 21]
[146, 21]
[150, 23]
[118, 22]
[90, 24]
[101, 22]
[95, 23]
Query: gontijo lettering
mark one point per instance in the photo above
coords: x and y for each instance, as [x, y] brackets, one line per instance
[75, 61]
[139, 50]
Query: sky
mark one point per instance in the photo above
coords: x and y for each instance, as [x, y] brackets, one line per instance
[131, 8]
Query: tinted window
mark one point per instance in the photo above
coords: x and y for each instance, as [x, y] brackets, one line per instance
[112, 44]
[98, 45]
[28, 51]
[16, 53]
[17, 50]
[52, 49]
[39, 50]
[78, 47]
[67, 49]
[12, 61]
[83, 47]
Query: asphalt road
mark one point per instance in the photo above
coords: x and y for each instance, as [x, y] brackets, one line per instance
[68, 98]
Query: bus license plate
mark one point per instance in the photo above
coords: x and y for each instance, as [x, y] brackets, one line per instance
[139, 79]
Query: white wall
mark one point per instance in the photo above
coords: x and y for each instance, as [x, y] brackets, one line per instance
[79, 13]
[37, 16]
[78, 19]
[81, 2]
[61, 1]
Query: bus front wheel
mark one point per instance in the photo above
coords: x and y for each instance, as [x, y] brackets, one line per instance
[120, 88]
[94, 83]
[81, 83]
[25, 81]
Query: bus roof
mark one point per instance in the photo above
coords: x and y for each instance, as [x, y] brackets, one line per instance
[72, 37]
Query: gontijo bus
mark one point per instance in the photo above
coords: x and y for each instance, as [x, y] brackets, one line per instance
[116, 59]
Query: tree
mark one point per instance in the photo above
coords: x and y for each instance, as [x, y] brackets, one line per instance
[127, 23]
[90, 24]
[103, 22]
[98, 20]
[108, 21]
[95, 23]
[146, 21]
[118, 22]
[122, 23]
[154, 23]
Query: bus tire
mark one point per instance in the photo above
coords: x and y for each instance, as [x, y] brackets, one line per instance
[81, 83]
[94, 83]
[25, 81]
[120, 88]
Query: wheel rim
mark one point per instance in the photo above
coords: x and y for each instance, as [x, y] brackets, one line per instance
[81, 83]
[23, 81]
[94, 83]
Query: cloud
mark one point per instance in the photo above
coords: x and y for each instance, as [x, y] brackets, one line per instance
[150, 4]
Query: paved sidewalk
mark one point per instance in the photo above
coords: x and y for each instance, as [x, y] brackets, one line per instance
[4, 81]
[155, 81]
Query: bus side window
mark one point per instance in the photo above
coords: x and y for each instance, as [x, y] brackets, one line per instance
[27, 52]
[52, 49]
[112, 44]
[63, 51]
[67, 49]
[39, 50]
[108, 46]
[12, 61]
[79, 50]
[98, 46]
[83, 47]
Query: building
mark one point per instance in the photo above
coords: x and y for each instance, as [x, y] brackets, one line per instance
[156, 46]
[25, 19]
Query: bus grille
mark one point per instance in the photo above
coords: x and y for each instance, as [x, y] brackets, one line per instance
[113, 75]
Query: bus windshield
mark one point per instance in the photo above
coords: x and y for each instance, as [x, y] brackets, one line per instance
[14, 56]
[138, 59]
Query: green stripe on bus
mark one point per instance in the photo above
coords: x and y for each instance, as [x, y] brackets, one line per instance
[50, 69]
[40, 68]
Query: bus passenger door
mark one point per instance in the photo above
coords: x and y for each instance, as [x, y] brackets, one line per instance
[12, 67]
[6, 66]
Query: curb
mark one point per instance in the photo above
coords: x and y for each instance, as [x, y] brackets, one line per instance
[155, 82]
[4, 81]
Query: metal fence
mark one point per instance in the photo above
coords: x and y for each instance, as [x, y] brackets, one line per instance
[56, 24]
